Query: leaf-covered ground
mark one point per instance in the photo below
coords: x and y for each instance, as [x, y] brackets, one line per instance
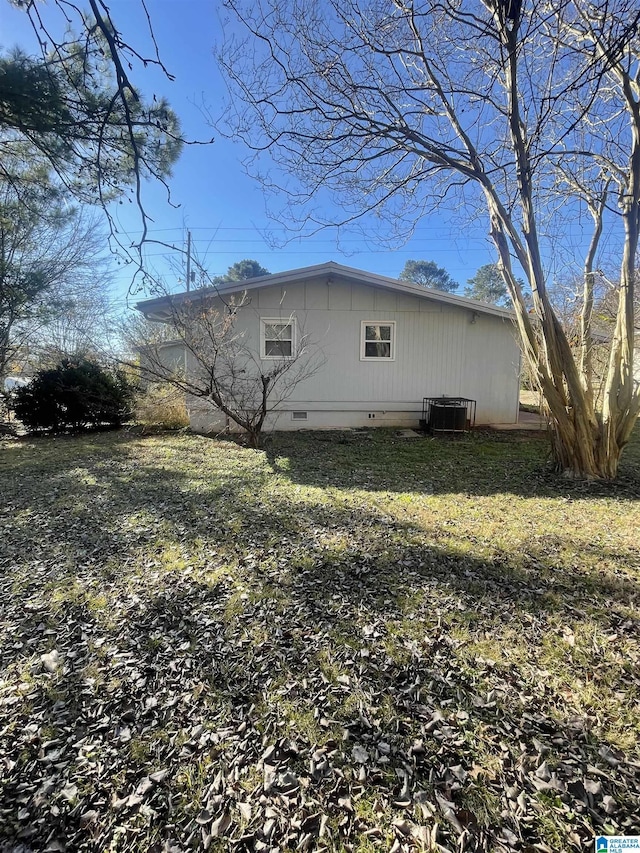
[346, 642]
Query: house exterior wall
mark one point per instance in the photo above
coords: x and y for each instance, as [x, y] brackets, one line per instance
[171, 356]
[440, 350]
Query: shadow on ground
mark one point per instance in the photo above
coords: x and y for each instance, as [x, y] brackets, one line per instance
[242, 664]
[482, 463]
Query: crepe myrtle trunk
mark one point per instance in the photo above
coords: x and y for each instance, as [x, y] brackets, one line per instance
[379, 104]
[585, 441]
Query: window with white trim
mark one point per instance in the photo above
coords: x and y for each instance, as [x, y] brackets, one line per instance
[278, 338]
[377, 341]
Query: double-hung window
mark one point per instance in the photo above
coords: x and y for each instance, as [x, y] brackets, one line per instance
[377, 341]
[278, 338]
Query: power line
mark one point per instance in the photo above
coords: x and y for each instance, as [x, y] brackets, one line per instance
[443, 234]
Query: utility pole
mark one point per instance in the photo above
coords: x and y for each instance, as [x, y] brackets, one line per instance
[188, 261]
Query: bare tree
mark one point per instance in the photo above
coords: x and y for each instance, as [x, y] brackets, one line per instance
[51, 259]
[82, 325]
[213, 356]
[529, 111]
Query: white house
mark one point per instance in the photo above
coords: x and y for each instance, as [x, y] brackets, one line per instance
[385, 346]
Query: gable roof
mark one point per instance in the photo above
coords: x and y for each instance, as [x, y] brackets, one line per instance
[157, 308]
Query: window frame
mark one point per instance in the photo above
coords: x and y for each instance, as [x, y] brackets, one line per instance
[289, 321]
[364, 341]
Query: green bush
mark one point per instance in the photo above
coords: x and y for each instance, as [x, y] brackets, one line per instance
[76, 394]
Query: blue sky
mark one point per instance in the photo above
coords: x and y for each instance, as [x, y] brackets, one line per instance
[222, 207]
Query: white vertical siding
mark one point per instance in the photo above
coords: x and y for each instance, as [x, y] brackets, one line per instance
[440, 350]
[339, 296]
[492, 369]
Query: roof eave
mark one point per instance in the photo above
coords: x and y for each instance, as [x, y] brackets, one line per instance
[330, 268]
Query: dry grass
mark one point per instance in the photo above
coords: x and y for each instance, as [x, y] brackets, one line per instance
[161, 406]
[450, 607]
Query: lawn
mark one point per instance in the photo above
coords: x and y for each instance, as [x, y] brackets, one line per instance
[344, 642]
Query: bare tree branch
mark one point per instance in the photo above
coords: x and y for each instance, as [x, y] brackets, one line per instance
[400, 108]
[213, 356]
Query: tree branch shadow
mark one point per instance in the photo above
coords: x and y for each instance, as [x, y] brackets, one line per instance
[202, 616]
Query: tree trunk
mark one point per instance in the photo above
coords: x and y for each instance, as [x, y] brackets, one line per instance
[254, 437]
[584, 443]
[587, 457]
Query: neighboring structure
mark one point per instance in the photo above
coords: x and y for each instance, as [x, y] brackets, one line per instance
[386, 345]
